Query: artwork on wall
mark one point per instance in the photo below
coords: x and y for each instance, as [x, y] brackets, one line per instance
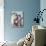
[17, 18]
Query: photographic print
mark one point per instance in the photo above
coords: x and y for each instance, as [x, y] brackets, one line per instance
[17, 18]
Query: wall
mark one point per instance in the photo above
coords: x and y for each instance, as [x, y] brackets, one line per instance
[43, 6]
[29, 7]
[1, 21]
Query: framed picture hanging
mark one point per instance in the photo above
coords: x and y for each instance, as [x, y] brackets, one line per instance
[17, 18]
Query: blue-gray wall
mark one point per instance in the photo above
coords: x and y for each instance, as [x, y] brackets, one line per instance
[43, 6]
[29, 7]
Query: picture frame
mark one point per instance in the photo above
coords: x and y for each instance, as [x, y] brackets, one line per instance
[17, 19]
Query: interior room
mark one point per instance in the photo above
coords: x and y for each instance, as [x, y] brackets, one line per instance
[22, 23]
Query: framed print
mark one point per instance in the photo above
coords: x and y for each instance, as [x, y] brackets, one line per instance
[17, 18]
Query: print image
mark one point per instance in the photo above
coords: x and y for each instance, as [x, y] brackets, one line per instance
[17, 18]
